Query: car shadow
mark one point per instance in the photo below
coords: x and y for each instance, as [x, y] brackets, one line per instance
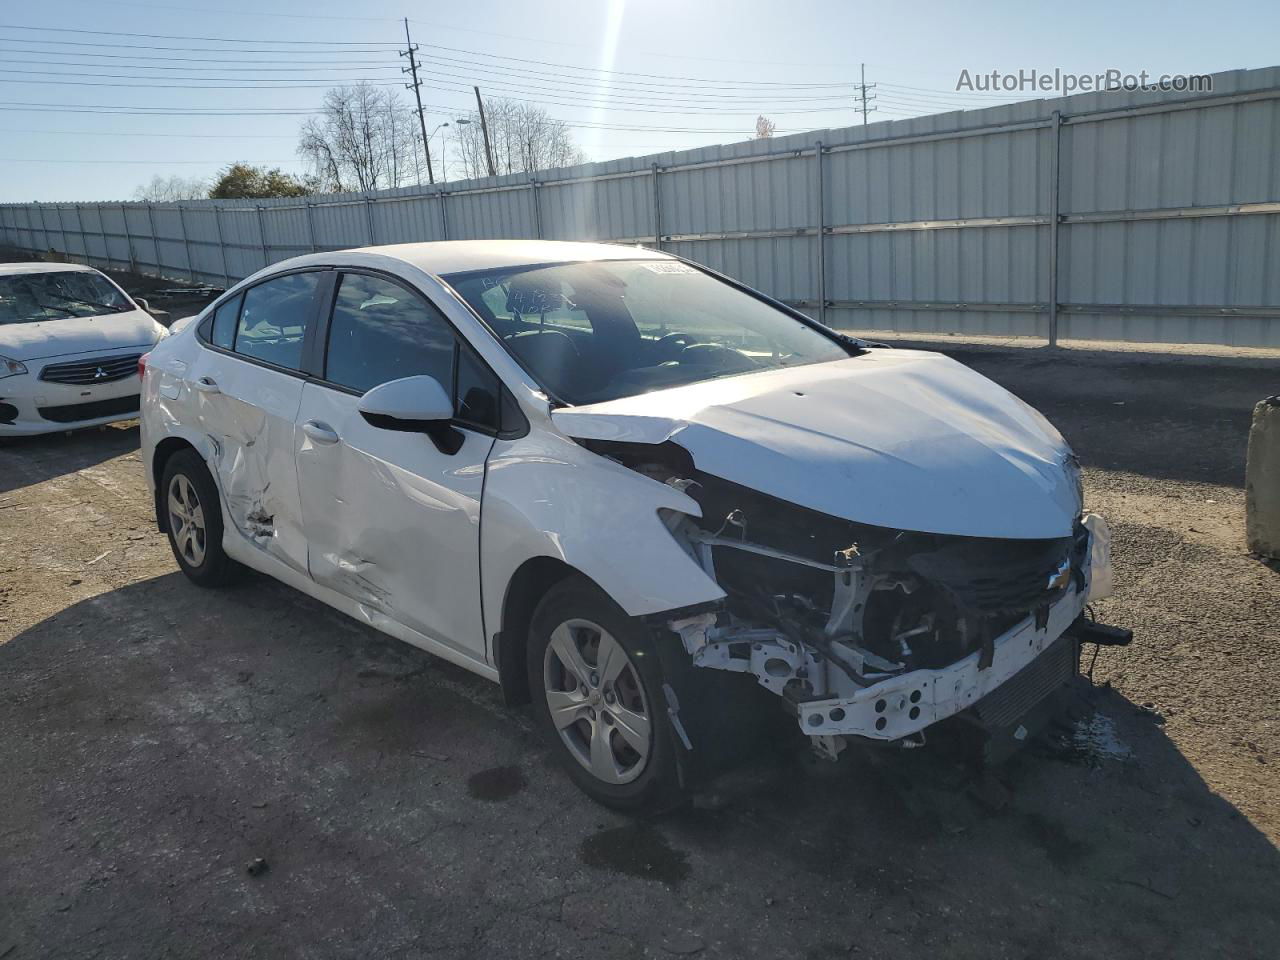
[160, 739]
[26, 461]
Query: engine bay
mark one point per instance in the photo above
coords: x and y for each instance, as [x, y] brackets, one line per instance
[828, 613]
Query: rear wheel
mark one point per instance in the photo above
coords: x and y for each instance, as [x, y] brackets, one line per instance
[194, 518]
[597, 694]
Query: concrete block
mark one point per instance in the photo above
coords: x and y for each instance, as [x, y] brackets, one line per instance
[1262, 480]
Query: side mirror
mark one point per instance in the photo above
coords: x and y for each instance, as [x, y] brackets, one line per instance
[143, 304]
[413, 405]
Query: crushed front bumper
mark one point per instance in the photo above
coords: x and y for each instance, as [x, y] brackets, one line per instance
[904, 705]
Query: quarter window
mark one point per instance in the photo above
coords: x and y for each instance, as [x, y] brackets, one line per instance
[273, 321]
[223, 331]
[380, 331]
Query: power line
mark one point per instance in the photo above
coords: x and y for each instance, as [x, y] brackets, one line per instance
[149, 160]
[639, 106]
[240, 13]
[178, 136]
[619, 73]
[167, 84]
[142, 66]
[644, 97]
[172, 36]
[149, 46]
[943, 92]
[709, 84]
[297, 57]
[571, 86]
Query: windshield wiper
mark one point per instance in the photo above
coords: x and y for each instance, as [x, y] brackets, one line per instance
[108, 307]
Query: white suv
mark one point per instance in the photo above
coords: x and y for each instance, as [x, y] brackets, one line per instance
[645, 497]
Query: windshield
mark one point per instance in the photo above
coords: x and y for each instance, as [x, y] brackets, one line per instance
[599, 331]
[58, 295]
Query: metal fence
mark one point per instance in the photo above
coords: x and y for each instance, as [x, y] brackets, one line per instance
[1136, 215]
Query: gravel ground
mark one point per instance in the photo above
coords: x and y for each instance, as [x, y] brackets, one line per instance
[157, 739]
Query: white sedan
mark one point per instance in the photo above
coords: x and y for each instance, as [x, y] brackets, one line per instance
[70, 341]
[650, 500]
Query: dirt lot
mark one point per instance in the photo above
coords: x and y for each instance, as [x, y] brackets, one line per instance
[156, 738]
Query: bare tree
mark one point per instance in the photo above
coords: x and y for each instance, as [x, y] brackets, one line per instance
[168, 189]
[764, 128]
[364, 139]
[523, 137]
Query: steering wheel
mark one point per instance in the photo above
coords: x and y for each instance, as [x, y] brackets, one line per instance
[665, 345]
[725, 359]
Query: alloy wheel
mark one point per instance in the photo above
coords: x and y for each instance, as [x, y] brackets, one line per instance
[597, 702]
[186, 520]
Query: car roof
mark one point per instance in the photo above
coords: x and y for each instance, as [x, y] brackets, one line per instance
[38, 266]
[459, 256]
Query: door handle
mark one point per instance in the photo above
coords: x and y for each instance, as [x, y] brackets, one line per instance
[320, 432]
[206, 385]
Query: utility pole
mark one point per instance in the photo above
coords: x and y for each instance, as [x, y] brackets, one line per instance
[862, 91]
[416, 87]
[484, 126]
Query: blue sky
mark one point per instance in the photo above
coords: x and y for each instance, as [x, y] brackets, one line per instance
[710, 67]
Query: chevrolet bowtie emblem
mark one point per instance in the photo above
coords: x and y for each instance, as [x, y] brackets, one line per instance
[1059, 579]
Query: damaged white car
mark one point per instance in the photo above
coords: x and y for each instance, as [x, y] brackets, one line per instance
[652, 501]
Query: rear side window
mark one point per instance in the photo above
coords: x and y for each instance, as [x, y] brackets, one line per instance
[381, 331]
[274, 318]
[222, 333]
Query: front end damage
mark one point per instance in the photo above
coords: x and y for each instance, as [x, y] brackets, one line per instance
[870, 632]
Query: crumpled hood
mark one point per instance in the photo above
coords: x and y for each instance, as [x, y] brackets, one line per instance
[895, 438]
[56, 338]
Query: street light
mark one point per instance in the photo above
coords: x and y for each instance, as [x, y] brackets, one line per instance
[444, 164]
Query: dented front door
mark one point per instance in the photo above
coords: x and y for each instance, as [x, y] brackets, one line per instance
[393, 523]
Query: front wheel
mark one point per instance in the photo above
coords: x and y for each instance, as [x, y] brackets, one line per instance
[597, 695]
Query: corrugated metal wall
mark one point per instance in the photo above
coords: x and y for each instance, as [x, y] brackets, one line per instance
[1115, 216]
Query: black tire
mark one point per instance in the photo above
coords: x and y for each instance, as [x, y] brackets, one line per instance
[209, 566]
[657, 786]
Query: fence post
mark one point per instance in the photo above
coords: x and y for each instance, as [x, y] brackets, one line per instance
[186, 243]
[1055, 163]
[444, 216]
[102, 229]
[128, 239]
[368, 216]
[822, 235]
[262, 237]
[657, 207]
[217, 227]
[62, 229]
[31, 234]
[311, 225]
[537, 209]
[155, 238]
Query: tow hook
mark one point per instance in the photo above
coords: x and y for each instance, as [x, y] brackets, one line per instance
[1102, 634]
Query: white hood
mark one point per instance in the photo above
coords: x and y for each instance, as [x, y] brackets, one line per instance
[55, 338]
[894, 438]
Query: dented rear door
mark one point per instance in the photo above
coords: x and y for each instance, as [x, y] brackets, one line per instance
[247, 389]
